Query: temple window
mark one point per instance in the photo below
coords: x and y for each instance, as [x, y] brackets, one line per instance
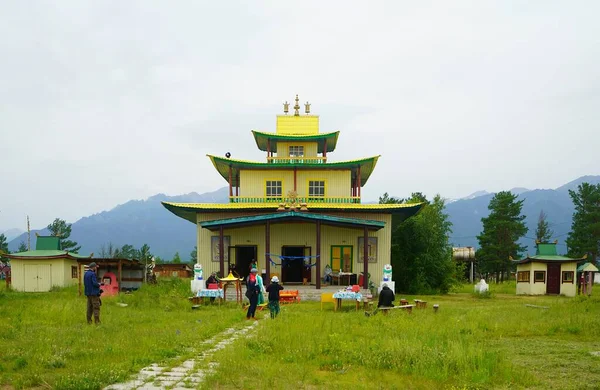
[539, 276]
[568, 276]
[296, 151]
[316, 188]
[273, 188]
[523, 276]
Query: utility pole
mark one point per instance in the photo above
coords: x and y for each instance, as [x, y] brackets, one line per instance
[28, 235]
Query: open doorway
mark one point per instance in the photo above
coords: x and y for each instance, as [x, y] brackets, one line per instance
[240, 258]
[292, 268]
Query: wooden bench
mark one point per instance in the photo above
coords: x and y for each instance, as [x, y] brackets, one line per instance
[385, 310]
[289, 296]
[403, 301]
[368, 303]
[420, 304]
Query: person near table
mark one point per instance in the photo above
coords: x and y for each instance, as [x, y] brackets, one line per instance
[261, 287]
[273, 290]
[212, 279]
[252, 290]
[328, 271]
[386, 299]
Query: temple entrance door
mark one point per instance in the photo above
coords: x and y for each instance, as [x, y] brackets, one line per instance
[241, 257]
[307, 271]
[292, 268]
[553, 282]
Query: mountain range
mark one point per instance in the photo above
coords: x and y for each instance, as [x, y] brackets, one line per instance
[139, 222]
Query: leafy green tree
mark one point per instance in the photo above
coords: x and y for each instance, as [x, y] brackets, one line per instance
[386, 199]
[585, 228]
[502, 230]
[3, 246]
[62, 230]
[22, 247]
[421, 252]
[3, 243]
[176, 258]
[543, 232]
[194, 255]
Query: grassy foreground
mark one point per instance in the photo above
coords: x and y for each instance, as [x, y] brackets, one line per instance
[470, 343]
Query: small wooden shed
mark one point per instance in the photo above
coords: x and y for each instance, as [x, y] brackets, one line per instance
[547, 272]
[129, 274]
[171, 270]
[46, 266]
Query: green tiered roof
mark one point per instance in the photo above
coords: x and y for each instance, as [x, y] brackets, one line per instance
[222, 164]
[546, 253]
[262, 138]
[189, 210]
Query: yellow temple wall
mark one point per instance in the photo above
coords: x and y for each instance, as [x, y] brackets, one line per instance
[297, 125]
[310, 148]
[298, 234]
[568, 289]
[253, 182]
[524, 288]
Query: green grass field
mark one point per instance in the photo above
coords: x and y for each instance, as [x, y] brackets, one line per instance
[471, 343]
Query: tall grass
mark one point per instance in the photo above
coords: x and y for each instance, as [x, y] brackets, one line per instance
[45, 340]
[469, 343]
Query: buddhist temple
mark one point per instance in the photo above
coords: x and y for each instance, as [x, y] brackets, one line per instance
[295, 212]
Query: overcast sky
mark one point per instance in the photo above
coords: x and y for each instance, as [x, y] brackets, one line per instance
[102, 102]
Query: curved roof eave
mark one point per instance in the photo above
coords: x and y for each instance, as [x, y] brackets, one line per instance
[261, 140]
[222, 165]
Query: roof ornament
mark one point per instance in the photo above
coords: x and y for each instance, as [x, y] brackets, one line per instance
[297, 107]
[286, 107]
[307, 108]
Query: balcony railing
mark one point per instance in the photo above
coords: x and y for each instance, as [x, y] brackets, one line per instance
[300, 199]
[297, 160]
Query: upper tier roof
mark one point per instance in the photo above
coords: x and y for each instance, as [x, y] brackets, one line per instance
[367, 165]
[261, 139]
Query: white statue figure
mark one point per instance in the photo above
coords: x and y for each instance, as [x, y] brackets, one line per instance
[482, 286]
[387, 273]
[198, 272]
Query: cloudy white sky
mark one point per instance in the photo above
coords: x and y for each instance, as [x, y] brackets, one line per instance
[103, 102]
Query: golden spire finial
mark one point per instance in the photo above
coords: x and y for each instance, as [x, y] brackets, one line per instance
[307, 108]
[286, 107]
[297, 107]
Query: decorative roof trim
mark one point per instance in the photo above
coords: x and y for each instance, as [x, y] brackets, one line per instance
[222, 165]
[293, 215]
[262, 137]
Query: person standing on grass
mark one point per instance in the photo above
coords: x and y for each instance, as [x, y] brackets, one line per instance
[252, 290]
[273, 290]
[92, 292]
[261, 289]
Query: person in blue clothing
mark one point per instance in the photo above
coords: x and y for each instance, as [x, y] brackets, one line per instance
[92, 292]
[252, 290]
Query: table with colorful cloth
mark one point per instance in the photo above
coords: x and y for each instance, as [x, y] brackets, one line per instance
[348, 295]
[211, 293]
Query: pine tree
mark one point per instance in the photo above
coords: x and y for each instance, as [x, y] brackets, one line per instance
[176, 258]
[22, 247]
[585, 229]
[502, 230]
[543, 232]
[62, 230]
[3, 246]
